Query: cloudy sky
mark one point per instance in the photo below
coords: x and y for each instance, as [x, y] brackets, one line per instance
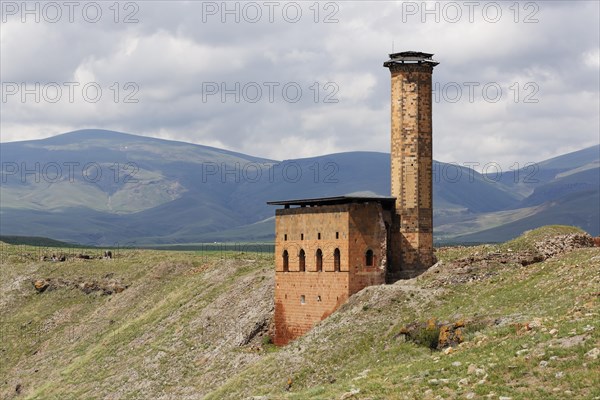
[517, 81]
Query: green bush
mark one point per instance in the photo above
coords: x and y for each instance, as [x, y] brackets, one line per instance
[426, 336]
[266, 340]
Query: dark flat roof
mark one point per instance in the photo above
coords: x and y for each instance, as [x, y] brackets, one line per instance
[410, 57]
[333, 200]
[411, 54]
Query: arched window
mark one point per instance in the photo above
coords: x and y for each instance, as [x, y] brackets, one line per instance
[302, 260]
[369, 258]
[336, 260]
[319, 260]
[286, 261]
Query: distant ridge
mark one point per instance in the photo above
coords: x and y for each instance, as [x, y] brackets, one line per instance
[35, 241]
[152, 191]
[102, 134]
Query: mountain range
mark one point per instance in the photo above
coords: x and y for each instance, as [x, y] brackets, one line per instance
[98, 187]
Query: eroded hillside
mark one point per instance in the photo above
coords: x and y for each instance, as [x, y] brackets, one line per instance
[183, 320]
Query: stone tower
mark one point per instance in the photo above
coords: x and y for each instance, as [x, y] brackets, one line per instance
[329, 248]
[411, 163]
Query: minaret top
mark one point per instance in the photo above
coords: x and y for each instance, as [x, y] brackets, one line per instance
[410, 57]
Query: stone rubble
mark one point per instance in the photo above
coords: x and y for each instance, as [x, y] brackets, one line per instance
[105, 286]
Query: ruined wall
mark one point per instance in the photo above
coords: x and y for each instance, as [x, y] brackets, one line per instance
[296, 229]
[323, 293]
[303, 298]
[411, 164]
[299, 228]
[367, 231]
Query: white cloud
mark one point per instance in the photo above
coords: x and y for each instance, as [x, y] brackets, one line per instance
[591, 58]
[171, 52]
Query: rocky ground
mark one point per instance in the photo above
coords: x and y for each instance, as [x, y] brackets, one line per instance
[490, 260]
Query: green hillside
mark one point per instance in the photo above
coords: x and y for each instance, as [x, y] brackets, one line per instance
[558, 211]
[34, 241]
[100, 188]
[565, 184]
[159, 324]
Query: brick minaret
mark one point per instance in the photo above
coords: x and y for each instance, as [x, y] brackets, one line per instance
[411, 163]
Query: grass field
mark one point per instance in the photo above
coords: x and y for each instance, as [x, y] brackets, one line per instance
[196, 325]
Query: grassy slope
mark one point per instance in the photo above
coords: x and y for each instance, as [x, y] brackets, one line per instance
[357, 349]
[174, 333]
[159, 336]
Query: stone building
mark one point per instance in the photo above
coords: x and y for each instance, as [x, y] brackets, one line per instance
[327, 249]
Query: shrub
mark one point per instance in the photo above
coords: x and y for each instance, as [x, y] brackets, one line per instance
[426, 336]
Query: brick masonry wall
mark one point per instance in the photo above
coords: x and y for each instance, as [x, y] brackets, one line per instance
[309, 222]
[411, 163]
[359, 227]
[323, 293]
[296, 229]
[367, 231]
